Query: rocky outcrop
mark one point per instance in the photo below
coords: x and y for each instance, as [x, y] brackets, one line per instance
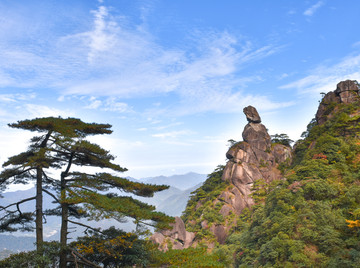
[345, 92]
[178, 237]
[255, 158]
[252, 159]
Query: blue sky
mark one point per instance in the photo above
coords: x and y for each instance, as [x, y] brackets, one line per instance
[172, 77]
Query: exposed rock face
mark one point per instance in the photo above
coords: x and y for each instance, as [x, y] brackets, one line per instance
[345, 92]
[252, 115]
[253, 159]
[178, 236]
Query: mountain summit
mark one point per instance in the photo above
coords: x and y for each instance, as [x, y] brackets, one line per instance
[254, 159]
[276, 206]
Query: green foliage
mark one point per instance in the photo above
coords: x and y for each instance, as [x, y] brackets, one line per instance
[62, 147]
[47, 257]
[190, 257]
[202, 202]
[281, 139]
[309, 220]
[114, 248]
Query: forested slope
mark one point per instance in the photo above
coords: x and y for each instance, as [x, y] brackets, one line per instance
[307, 217]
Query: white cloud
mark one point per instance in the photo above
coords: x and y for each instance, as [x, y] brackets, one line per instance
[311, 10]
[95, 104]
[324, 78]
[12, 98]
[172, 134]
[33, 111]
[142, 129]
[101, 38]
[116, 58]
[109, 104]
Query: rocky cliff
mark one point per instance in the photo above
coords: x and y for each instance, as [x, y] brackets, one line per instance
[346, 92]
[308, 217]
[211, 214]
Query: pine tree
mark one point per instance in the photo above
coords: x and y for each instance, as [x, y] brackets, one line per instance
[79, 194]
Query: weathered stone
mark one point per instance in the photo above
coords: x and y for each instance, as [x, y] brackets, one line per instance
[178, 236]
[225, 210]
[252, 115]
[250, 160]
[257, 136]
[179, 231]
[220, 233]
[281, 153]
[348, 91]
[345, 92]
[241, 201]
[158, 238]
[190, 236]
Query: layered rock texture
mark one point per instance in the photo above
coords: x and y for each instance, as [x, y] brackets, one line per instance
[253, 159]
[346, 92]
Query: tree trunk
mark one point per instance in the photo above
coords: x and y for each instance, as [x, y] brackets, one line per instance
[64, 224]
[39, 200]
[39, 210]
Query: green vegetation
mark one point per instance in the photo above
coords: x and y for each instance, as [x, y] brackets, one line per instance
[311, 219]
[63, 147]
[204, 205]
[281, 139]
[190, 257]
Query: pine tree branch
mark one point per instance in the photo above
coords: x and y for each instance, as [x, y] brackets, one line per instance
[86, 261]
[17, 204]
[86, 226]
[52, 195]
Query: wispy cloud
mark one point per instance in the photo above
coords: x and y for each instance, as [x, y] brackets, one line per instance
[119, 59]
[109, 104]
[16, 97]
[33, 110]
[172, 134]
[311, 10]
[324, 77]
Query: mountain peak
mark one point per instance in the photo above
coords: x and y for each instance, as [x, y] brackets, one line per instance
[346, 92]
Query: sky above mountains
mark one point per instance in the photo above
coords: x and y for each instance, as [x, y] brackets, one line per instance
[172, 77]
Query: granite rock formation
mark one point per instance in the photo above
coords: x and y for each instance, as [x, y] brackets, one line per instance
[345, 92]
[177, 236]
[255, 158]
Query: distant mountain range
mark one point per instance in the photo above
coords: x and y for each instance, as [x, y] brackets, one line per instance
[182, 182]
[171, 201]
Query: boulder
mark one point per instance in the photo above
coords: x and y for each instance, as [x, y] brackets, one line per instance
[177, 236]
[220, 233]
[345, 92]
[257, 136]
[252, 115]
[348, 91]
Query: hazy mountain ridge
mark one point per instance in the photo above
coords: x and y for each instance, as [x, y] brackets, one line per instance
[171, 201]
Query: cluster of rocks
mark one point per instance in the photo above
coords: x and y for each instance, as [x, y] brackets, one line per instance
[253, 159]
[345, 92]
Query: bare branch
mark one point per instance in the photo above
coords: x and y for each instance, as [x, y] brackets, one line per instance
[18, 203]
[52, 195]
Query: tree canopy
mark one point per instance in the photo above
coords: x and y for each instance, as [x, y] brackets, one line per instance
[62, 146]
